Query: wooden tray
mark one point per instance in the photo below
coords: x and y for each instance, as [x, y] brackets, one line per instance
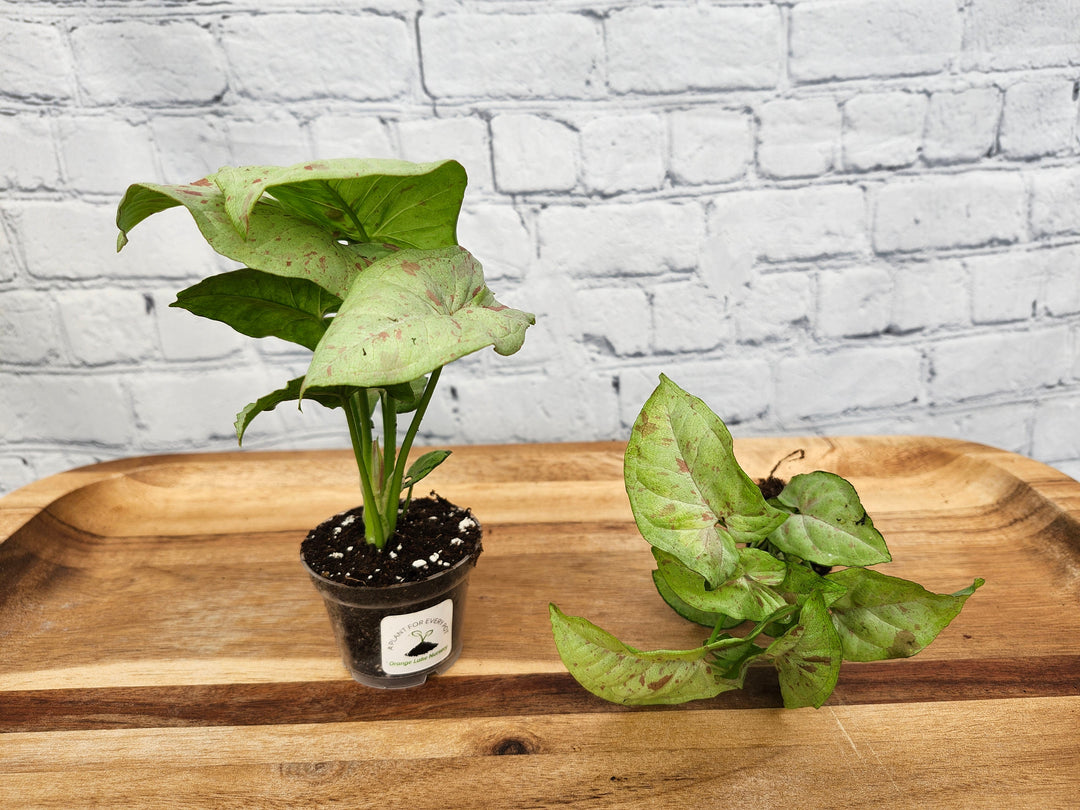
[160, 644]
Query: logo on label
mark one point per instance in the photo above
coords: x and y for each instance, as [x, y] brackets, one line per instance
[416, 641]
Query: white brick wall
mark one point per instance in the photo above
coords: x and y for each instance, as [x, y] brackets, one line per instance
[820, 216]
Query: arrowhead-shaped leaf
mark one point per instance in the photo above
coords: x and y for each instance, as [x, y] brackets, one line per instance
[259, 304]
[329, 398]
[808, 656]
[420, 468]
[884, 617]
[410, 313]
[747, 594]
[829, 525]
[309, 227]
[619, 673]
[688, 494]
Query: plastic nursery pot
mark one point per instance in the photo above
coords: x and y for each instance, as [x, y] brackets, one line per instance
[395, 636]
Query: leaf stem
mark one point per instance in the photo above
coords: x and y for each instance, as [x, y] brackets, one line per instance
[410, 434]
[359, 418]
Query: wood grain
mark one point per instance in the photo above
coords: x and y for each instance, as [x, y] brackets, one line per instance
[161, 645]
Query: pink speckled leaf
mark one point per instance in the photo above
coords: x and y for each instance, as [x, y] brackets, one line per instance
[410, 313]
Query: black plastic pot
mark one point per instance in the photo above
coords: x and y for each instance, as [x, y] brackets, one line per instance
[395, 636]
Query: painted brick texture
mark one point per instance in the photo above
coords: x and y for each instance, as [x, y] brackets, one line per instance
[835, 216]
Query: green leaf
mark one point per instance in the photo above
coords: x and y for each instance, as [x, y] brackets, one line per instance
[621, 674]
[409, 205]
[884, 617]
[410, 313]
[308, 227]
[800, 581]
[259, 304]
[747, 594]
[420, 468]
[829, 525]
[330, 398]
[688, 494]
[407, 395]
[703, 617]
[808, 656]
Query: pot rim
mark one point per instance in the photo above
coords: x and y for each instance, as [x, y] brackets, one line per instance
[396, 586]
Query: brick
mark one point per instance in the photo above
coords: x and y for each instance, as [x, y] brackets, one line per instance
[533, 55]
[949, 211]
[677, 49]
[1004, 287]
[343, 135]
[621, 240]
[147, 62]
[847, 39]
[623, 153]
[1055, 435]
[854, 302]
[28, 159]
[62, 408]
[1001, 362]
[799, 137]
[272, 138]
[496, 235]
[961, 126]
[616, 318]
[107, 326]
[533, 153]
[531, 408]
[773, 307]
[7, 255]
[190, 409]
[190, 147]
[1010, 34]
[930, 295]
[29, 328]
[1061, 283]
[34, 62]
[1055, 202]
[797, 223]
[463, 138]
[686, 318]
[824, 383]
[1039, 118]
[883, 130]
[104, 155]
[735, 390]
[710, 146]
[185, 337]
[165, 245]
[291, 57]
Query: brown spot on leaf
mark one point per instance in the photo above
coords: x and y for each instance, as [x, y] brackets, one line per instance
[661, 683]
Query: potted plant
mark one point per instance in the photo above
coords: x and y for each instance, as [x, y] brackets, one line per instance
[734, 553]
[358, 262]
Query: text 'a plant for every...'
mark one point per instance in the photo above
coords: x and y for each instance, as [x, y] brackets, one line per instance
[727, 556]
[358, 262]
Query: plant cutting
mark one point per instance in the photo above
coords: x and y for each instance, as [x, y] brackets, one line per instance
[357, 261]
[777, 570]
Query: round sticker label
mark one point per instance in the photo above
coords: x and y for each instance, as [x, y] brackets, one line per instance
[415, 641]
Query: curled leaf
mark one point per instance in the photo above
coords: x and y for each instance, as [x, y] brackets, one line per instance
[621, 674]
[808, 656]
[410, 313]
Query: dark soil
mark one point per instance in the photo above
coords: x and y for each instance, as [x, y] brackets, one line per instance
[431, 537]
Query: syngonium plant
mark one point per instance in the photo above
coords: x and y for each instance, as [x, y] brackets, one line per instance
[357, 261]
[730, 553]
